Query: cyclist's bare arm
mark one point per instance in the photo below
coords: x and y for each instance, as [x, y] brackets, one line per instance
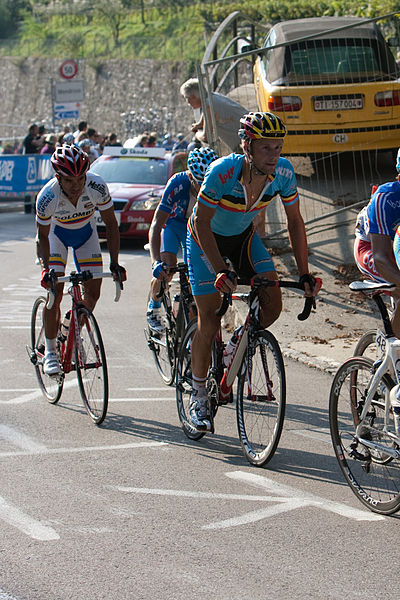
[382, 251]
[158, 222]
[42, 245]
[298, 241]
[112, 235]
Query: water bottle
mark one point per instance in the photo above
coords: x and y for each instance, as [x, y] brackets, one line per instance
[175, 305]
[64, 328]
[231, 346]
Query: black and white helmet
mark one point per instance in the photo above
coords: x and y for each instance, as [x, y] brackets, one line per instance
[198, 161]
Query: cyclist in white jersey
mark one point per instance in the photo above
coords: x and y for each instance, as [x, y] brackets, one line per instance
[65, 209]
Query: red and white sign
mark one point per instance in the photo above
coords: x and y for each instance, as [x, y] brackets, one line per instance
[68, 69]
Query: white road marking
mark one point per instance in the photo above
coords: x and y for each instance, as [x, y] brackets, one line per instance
[8, 390]
[147, 389]
[309, 499]
[157, 399]
[18, 438]
[46, 451]
[15, 327]
[323, 435]
[36, 394]
[5, 596]
[285, 499]
[35, 529]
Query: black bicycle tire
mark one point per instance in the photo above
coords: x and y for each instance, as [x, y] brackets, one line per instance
[167, 377]
[57, 383]
[184, 385]
[260, 457]
[96, 413]
[357, 473]
[366, 340]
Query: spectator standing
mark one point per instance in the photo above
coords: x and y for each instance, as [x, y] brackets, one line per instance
[181, 144]
[50, 144]
[86, 146]
[82, 128]
[32, 142]
[168, 142]
[112, 140]
[227, 115]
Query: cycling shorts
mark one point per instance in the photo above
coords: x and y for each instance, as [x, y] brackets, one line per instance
[85, 249]
[365, 260]
[246, 252]
[173, 237]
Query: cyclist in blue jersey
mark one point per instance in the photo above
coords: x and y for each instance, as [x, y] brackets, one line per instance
[375, 235]
[168, 227]
[235, 190]
[65, 209]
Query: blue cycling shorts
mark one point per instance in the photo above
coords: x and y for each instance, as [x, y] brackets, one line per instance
[85, 249]
[246, 252]
[173, 237]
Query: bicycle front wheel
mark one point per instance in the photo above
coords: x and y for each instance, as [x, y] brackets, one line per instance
[91, 366]
[372, 474]
[51, 387]
[261, 399]
[184, 383]
[162, 346]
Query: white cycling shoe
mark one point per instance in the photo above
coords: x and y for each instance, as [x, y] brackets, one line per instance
[51, 365]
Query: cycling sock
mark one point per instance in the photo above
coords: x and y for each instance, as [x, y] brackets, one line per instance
[199, 384]
[154, 304]
[50, 344]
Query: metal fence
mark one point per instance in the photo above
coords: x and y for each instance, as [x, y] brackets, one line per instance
[334, 181]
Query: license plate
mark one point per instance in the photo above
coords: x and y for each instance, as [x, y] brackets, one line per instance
[338, 104]
[99, 221]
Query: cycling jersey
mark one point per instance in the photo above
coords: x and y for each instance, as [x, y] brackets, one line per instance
[176, 197]
[73, 226]
[382, 213]
[223, 190]
[54, 208]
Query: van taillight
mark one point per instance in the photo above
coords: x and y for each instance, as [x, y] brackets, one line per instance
[388, 98]
[284, 103]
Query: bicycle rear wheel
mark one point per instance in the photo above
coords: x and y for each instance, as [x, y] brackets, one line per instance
[51, 387]
[184, 383]
[372, 474]
[260, 409]
[162, 345]
[91, 366]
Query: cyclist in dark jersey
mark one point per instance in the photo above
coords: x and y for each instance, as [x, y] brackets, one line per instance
[235, 190]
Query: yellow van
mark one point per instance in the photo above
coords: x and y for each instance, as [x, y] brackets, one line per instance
[334, 82]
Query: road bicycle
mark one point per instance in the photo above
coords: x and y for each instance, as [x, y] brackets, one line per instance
[363, 429]
[372, 343]
[81, 350]
[175, 318]
[258, 366]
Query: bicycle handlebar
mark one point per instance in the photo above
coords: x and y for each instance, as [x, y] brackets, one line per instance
[309, 302]
[79, 278]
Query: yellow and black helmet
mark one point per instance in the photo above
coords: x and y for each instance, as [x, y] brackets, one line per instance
[261, 125]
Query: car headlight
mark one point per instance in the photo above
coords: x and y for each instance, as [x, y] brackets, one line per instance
[149, 203]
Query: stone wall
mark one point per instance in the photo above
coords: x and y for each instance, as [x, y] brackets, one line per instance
[147, 87]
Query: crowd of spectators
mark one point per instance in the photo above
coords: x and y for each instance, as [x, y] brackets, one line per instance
[39, 141]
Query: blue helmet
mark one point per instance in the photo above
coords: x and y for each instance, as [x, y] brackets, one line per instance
[398, 161]
[198, 161]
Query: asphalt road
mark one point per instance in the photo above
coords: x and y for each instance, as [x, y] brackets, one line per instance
[133, 509]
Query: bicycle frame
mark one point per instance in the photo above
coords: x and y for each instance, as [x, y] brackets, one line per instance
[391, 358]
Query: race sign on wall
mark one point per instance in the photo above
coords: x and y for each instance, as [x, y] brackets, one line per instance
[24, 173]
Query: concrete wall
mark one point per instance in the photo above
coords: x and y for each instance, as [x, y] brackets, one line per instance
[111, 88]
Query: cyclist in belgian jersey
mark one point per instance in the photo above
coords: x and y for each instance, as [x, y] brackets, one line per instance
[375, 234]
[168, 227]
[65, 209]
[236, 189]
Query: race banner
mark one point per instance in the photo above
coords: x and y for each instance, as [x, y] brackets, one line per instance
[22, 174]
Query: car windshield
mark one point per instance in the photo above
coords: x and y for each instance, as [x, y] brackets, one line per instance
[151, 171]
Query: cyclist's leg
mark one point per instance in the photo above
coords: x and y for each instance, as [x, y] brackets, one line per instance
[207, 300]
[87, 257]
[51, 317]
[259, 261]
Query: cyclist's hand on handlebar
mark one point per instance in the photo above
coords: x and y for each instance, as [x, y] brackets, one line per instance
[312, 284]
[119, 272]
[45, 282]
[158, 269]
[226, 281]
